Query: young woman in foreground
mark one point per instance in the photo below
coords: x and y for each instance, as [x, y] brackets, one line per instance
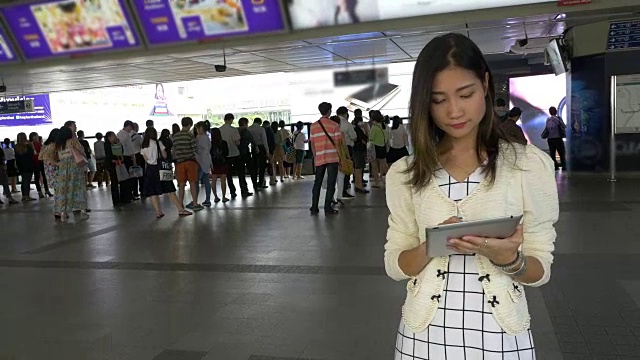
[471, 305]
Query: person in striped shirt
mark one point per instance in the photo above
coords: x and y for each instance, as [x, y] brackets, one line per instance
[185, 150]
[325, 138]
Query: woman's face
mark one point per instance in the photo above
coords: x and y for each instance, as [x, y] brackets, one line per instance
[113, 139]
[458, 102]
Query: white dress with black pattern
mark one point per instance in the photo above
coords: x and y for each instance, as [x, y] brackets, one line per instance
[463, 326]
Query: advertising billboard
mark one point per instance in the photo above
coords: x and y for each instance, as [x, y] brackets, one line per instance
[535, 95]
[41, 114]
[7, 53]
[69, 27]
[173, 21]
[306, 14]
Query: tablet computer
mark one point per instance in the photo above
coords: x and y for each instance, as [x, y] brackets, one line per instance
[499, 228]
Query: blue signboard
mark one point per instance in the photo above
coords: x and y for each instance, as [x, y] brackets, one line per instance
[624, 35]
[40, 115]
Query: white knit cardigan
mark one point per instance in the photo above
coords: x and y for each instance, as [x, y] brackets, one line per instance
[524, 184]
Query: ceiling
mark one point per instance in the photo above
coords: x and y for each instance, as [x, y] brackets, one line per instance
[495, 38]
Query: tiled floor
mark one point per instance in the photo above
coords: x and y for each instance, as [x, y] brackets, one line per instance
[260, 279]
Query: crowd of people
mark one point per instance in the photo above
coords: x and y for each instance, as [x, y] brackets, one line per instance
[137, 164]
[342, 148]
[59, 163]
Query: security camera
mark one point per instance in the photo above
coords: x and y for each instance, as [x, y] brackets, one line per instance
[223, 67]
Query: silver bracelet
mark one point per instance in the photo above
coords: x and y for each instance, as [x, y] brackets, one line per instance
[520, 271]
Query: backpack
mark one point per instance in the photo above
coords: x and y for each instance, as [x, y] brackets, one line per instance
[217, 156]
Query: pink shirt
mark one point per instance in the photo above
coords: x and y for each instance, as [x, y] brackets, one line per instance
[324, 151]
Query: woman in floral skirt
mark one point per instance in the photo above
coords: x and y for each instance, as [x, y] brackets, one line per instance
[48, 156]
[71, 190]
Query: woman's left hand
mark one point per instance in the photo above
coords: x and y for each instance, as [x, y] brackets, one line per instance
[500, 251]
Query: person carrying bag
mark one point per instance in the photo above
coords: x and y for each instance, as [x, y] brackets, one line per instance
[345, 165]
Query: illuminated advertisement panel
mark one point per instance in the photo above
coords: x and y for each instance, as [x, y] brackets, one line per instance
[172, 21]
[7, 54]
[307, 14]
[68, 27]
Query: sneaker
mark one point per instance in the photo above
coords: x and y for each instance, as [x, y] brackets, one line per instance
[197, 207]
[190, 206]
[206, 204]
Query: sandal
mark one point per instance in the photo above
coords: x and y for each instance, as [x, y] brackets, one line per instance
[159, 216]
[184, 213]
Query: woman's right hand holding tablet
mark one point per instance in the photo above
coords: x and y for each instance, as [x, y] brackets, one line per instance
[413, 261]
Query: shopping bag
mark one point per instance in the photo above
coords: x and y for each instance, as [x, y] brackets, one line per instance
[164, 167]
[121, 172]
[166, 170]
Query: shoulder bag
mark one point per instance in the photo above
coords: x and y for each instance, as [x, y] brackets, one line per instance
[345, 164]
[79, 157]
[165, 167]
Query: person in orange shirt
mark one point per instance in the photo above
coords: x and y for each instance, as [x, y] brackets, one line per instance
[325, 139]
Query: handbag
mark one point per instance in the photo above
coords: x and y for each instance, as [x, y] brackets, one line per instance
[290, 155]
[136, 172]
[121, 172]
[545, 133]
[79, 158]
[165, 167]
[345, 165]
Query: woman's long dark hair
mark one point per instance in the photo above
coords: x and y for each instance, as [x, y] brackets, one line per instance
[396, 122]
[150, 134]
[441, 53]
[52, 136]
[107, 136]
[64, 134]
[22, 143]
[216, 136]
[165, 134]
